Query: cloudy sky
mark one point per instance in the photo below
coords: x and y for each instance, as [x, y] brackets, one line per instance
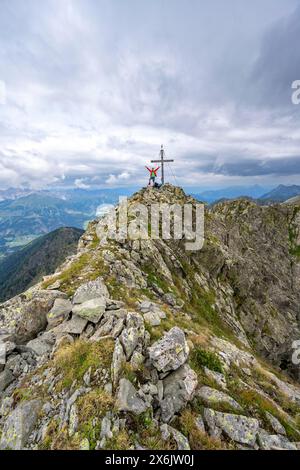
[89, 89]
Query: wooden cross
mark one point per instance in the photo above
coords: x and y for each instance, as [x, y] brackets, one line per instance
[162, 162]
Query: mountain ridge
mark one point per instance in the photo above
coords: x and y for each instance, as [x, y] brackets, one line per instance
[141, 344]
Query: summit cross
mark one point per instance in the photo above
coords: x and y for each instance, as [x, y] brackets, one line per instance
[162, 161]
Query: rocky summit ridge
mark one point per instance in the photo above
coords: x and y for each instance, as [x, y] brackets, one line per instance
[144, 345]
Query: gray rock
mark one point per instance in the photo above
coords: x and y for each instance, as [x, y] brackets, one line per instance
[2, 354]
[104, 329]
[91, 310]
[16, 364]
[128, 399]
[216, 377]
[179, 388]
[167, 432]
[133, 334]
[64, 340]
[42, 345]
[6, 378]
[75, 326]
[59, 312]
[19, 425]
[106, 428]
[239, 428]
[137, 360]
[55, 285]
[117, 328]
[275, 424]
[210, 421]
[170, 352]
[73, 420]
[146, 306]
[210, 397]
[152, 318]
[33, 316]
[87, 377]
[108, 388]
[47, 408]
[200, 423]
[6, 405]
[90, 290]
[267, 441]
[118, 360]
[114, 304]
[170, 299]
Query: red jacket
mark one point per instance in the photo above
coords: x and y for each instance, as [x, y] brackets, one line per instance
[153, 171]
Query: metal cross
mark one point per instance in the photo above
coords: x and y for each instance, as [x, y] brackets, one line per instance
[162, 161]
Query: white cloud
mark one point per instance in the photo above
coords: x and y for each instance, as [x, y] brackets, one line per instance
[2, 92]
[93, 89]
[80, 183]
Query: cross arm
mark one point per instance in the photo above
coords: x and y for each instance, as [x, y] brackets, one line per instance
[160, 161]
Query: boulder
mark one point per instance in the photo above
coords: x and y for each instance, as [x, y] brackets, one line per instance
[178, 389]
[91, 310]
[117, 328]
[128, 399]
[152, 318]
[170, 352]
[33, 316]
[133, 334]
[137, 360]
[75, 326]
[41, 345]
[210, 397]
[267, 441]
[275, 424]
[217, 377]
[6, 378]
[90, 290]
[19, 425]
[16, 364]
[238, 428]
[210, 421]
[59, 312]
[181, 441]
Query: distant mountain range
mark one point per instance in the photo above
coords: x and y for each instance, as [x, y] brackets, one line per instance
[282, 193]
[279, 194]
[39, 258]
[211, 196]
[23, 217]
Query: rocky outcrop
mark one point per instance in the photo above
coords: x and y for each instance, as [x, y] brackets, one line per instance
[146, 344]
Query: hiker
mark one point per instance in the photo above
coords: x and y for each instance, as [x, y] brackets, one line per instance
[153, 175]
